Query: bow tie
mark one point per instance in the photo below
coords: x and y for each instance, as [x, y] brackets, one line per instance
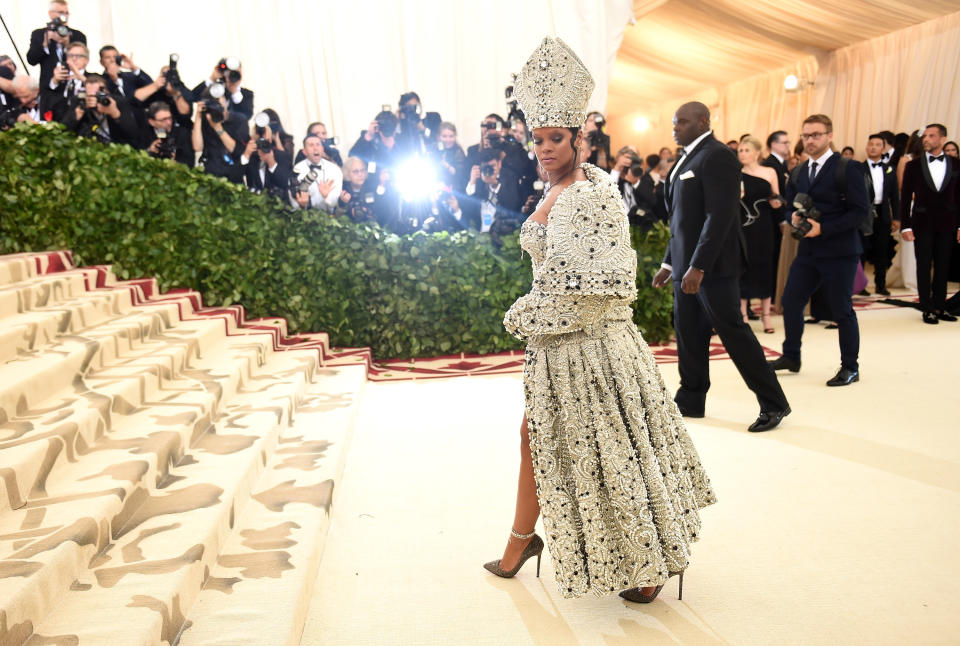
[876, 164]
[316, 167]
[932, 159]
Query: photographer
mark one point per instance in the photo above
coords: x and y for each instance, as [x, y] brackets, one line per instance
[133, 84]
[229, 72]
[319, 181]
[378, 143]
[168, 88]
[451, 160]
[8, 70]
[629, 173]
[220, 135]
[359, 200]
[493, 199]
[599, 140]
[267, 166]
[651, 206]
[830, 199]
[101, 115]
[330, 150]
[163, 138]
[410, 127]
[24, 105]
[523, 168]
[48, 44]
[63, 91]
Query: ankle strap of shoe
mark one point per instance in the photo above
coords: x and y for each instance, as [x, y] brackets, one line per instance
[522, 537]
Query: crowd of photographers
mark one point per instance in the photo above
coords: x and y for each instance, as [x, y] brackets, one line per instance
[406, 171]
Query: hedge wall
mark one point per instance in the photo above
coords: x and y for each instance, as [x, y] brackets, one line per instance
[404, 296]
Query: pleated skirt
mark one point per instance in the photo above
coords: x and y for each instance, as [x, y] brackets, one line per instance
[619, 481]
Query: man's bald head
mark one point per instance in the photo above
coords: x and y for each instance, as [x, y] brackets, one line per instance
[690, 121]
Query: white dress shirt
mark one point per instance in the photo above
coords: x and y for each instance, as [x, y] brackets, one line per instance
[819, 161]
[687, 150]
[876, 174]
[938, 169]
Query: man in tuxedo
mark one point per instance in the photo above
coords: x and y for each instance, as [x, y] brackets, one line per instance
[62, 92]
[48, 47]
[134, 85]
[325, 189]
[885, 200]
[164, 138]
[705, 257]
[889, 156]
[829, 253]
[266, 170]
[931, 186]
[649, 193]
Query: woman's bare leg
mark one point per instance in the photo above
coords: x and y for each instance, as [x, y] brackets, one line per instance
[528, 507]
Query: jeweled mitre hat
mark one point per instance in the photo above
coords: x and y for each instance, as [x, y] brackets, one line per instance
[553, 87]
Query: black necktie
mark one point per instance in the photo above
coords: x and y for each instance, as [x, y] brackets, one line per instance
[932, 159]
[876, 164]
[813, 171]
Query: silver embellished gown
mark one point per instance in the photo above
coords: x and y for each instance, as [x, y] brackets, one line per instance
[619, 481]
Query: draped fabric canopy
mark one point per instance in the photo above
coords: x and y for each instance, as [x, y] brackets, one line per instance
[873, 64]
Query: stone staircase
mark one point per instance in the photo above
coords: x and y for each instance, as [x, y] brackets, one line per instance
[166, 470]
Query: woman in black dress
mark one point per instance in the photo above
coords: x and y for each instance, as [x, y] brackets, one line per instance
[759, 205]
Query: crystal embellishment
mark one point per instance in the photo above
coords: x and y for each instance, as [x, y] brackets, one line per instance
[554, 86]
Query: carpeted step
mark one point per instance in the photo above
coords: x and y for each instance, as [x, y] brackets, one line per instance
[161, 456]
[146, 581]
[259, 591]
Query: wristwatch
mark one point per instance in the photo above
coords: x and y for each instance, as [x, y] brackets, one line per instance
[219, 131]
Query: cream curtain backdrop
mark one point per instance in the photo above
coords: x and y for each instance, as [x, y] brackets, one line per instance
[900, 81]
[338, 62]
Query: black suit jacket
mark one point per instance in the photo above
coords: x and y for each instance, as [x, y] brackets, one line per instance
[650, 200]
[703, 199]
[783, 175]
[48, 60]
[129, 83]
[122, 130]
[839, 232]
[933, 211]
[889, 207]
[508, 201]
[273, 182]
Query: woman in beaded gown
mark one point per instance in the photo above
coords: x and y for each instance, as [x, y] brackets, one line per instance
[605, 456]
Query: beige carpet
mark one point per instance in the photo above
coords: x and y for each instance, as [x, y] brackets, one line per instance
[842, 527]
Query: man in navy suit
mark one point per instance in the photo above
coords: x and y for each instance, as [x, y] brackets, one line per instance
[705, 258]
[827, 255]
[931, 186]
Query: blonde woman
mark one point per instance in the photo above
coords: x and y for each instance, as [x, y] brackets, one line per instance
[760, 205]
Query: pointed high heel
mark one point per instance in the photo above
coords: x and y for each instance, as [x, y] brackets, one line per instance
[767, 327]
[634, 594]
[533, 548]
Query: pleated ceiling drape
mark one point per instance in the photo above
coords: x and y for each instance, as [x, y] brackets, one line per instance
[900, 81]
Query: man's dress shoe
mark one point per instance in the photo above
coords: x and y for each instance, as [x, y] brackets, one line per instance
[768, 420]
[844, 377]
[931, 318]
[946, 316]
[785, 363]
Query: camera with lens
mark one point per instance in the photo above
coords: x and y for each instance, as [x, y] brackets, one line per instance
[172, 75]
[302, 185]
[636, 168]
[59, 25]
[167, 146]
[103, 97]
[211, 102]
[488, 170]
[264, 145]
[230, 69]
[808, 213]
[411, 112]
[8, 118]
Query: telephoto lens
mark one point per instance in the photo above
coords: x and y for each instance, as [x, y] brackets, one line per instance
[264, 145]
